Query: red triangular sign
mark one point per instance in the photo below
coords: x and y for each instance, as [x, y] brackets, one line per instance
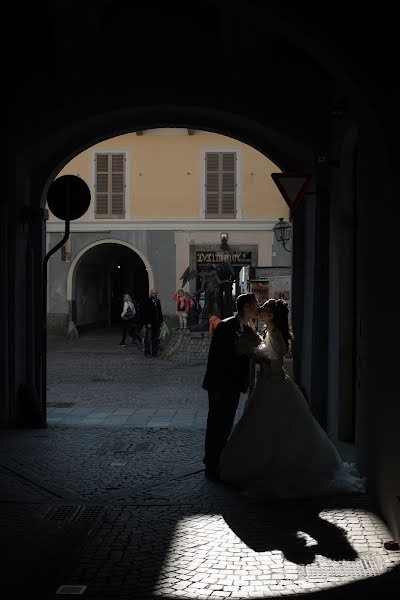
[292, 186]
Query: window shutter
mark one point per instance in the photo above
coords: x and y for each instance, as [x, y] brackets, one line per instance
[102, 177]
[228, 204]
[117, 185]
[110, 186]
[212, 185]
[221, 185]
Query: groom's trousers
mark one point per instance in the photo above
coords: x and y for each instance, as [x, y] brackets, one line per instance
[222, 406]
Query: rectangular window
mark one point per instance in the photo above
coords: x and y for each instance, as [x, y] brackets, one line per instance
[110, 186]
[220, 185]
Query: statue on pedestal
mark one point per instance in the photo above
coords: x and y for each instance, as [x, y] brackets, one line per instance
[227, 274]
[216, 283]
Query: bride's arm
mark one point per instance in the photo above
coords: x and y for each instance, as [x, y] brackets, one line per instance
[259, 353]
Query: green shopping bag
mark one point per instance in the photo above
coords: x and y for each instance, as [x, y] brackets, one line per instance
[164, 332]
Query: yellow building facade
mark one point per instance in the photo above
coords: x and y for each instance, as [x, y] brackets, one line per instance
[167, 196]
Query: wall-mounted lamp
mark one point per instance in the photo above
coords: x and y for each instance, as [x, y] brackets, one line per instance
[224, 241]
[283, 231]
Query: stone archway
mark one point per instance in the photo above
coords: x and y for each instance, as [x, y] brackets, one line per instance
[99, 274]
[51, 128]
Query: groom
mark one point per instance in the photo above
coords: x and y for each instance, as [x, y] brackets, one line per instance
[226, 377]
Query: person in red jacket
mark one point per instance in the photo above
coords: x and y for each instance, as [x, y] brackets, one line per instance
[183, 303]
[213, 321]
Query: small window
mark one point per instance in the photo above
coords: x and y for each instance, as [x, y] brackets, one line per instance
[110, 186]
[220, 185]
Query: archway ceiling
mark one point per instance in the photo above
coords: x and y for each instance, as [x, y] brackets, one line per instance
[106, 254]
[98, 65]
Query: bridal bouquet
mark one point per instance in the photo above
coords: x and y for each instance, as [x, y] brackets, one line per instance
[247, 342]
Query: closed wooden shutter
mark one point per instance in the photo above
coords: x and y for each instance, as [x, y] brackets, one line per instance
[220, 185]
[102, 184]
[117, 185]
[110, 186]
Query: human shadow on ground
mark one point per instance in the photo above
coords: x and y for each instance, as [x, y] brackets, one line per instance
[264, 526]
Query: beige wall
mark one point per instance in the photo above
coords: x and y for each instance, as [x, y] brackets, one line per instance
[166, 176]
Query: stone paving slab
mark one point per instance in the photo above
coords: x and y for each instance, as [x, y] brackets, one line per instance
[113, 496]
[145, 417]
[36, 550]
[161, 530]
[151, 390]
[180, 552]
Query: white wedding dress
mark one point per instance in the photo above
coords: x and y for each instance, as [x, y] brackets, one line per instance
[278, 449]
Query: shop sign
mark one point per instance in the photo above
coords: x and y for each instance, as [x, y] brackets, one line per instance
[262, 273]
[238, 258]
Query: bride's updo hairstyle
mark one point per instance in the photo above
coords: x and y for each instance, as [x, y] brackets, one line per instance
[280, 312]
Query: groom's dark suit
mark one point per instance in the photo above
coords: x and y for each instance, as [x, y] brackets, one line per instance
[226, 377]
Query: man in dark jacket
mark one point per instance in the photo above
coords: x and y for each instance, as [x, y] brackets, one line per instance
[153, 319]
[226, 377]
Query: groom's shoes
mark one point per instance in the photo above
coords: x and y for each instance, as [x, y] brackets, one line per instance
[211, 474]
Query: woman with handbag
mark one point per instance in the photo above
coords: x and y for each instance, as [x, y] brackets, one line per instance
[128, 320]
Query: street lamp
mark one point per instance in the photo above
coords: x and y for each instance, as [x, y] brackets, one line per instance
[224, 241]
[283, 231]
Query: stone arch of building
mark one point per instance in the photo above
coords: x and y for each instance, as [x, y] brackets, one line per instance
[57, 133]
[284, 149]
[79, 256]
[273, 137]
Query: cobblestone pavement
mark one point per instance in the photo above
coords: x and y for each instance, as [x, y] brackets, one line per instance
[129, 514]
[94, 381]
[126, 511]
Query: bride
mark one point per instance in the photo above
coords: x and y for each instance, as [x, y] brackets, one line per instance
[278, 449]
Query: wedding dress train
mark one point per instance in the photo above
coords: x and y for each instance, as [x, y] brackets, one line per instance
[278, 449]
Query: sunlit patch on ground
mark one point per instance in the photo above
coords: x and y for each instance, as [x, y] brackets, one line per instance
[236, 556]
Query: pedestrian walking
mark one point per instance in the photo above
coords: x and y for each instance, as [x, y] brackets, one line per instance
[129, 318]
[153, 319]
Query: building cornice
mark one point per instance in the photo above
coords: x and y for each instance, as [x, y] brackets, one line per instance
[164, 224]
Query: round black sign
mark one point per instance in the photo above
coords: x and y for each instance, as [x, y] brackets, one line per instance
[68, 197]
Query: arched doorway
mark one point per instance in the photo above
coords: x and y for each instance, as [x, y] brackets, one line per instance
[97, 278]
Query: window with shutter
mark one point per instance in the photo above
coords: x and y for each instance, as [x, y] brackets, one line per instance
[220, 185]
[110, 186]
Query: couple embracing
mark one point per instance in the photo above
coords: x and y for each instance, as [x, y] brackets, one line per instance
[277, 449]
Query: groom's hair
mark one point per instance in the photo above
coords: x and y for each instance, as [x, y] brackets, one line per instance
[242, 300]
